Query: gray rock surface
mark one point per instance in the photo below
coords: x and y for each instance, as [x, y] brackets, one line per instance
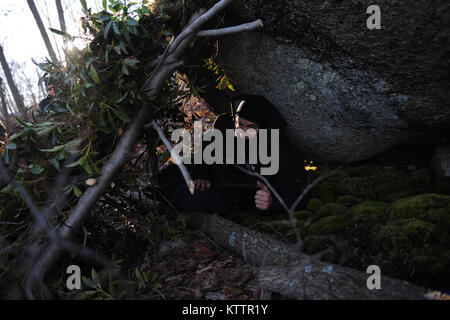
[335, 116]
[347, 93]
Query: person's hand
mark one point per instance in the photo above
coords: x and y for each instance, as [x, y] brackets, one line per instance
[202, 184]
[263, 197]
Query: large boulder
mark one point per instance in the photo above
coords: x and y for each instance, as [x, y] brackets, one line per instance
[347, 92]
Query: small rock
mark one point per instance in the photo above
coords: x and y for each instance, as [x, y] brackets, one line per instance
[90, 182]
[170, 245]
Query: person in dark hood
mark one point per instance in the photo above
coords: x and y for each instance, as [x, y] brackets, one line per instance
[256, 112]
[45, 103]
[222, 187]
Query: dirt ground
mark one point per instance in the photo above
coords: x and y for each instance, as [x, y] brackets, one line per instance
[195, 268]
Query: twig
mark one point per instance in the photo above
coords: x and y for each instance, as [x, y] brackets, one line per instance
[34, 276]
[290, 211]
[292, 220]
[230, 30]
[312, 184]
[178, 162]
[193, 27]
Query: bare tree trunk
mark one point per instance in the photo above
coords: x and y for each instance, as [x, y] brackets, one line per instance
[10, 104]
[285, 269]
[42, 30]
[62, 22]
[12, 86]
[4, 106]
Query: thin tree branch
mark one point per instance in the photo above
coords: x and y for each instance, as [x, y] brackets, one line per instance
[193, 27]
[290, 211]
[312, 184]
[230, 30]
[178, 162]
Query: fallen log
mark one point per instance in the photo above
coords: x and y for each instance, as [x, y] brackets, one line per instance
[286, 270]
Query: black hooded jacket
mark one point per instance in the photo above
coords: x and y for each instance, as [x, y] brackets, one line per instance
[240, 187]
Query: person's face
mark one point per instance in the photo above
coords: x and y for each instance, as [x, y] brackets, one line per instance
[51, 91]
[249, 128]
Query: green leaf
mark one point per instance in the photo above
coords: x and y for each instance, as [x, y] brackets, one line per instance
[77, 191]
[83, 3]
[104, 5]
[45, 131]
[122, 97]
[131, 22]
[23, 123]
[7, 156]
[139, 275]
[54, 163]
[131, 61]
[121, 114]
[94, 275]
[116, 28]
[105, 16]
[61, 33]
[88, 282]
[77, 163]
[16, 135]
[54, 149]
[118, 49]
[36, 169]
[86, 167]
[11, 146]
[157, 285]
[125, 69]
[108, 26]
[7, 189]
[94, 75]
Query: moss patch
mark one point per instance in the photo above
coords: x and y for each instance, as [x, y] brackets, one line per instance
[332, 209]
[303, 215]
[369, 207]
[326, 225]
[415, 248]
[429, 207]
[348, 200]
[314, 205]
[314, 245]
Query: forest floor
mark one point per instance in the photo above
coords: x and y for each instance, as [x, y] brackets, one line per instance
[195, 268]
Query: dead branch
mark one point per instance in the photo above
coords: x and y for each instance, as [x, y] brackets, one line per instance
[230, 30]
[177, 160]
[283, 268]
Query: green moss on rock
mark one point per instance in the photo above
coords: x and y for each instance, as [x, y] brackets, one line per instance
[429, 207]
[414, 248]
[314, 205]
[314, 245]
[332, 209]
[372, 182]
[369, 207]
[303, 215]
[326, 225]
[348, 200]
[328, 189]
